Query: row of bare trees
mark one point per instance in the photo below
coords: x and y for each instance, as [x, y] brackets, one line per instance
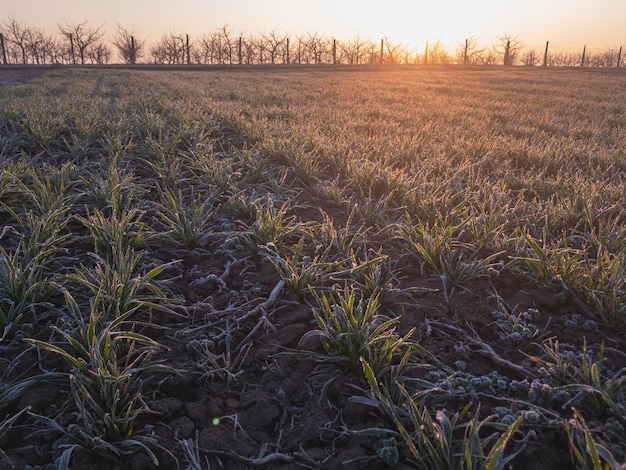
[75, 43]
[81, 43]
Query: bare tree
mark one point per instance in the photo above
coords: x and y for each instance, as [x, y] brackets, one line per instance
[81, 38]
[99, 53]
[18, 35]
[128, 45]
[468, 53]
[218, 47]
[274, 44]
[530, 57]
[318, 49]
[508, 48]
[26, 44]
[247, 50]
[410, 56]
[354, 52]
[206, 50]
[34, 44]
[393, 51]
[373, 53]
[259, 48]
[488, 57]
[608, 58]
[563, 59]
[170, 49]
[299, 48]
[437, 54]
[303, 49]
[226, 44]
[48, 49]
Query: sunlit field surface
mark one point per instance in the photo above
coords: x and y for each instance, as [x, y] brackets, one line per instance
[322, 268]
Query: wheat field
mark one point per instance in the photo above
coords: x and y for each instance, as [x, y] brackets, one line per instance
[387, 267]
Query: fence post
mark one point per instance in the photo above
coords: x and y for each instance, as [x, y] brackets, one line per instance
[132, 50]
[382, 42]
[72, 49]
[465, 52]
[582, 62]
[187, 48]
[507, 52]
[619, 55]
[426, 54]
[287, 50]
[545, 55]
[334, 51]
[4, 51]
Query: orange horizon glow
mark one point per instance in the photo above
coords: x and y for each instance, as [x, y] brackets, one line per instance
[568, 25]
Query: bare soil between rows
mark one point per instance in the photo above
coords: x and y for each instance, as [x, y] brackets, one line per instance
[273, 412]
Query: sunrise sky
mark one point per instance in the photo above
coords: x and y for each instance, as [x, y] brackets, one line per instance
[567, 24]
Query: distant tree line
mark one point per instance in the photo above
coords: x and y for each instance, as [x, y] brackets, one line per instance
[81, 43]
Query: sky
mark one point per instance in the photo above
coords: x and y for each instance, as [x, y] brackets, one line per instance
[567, 24]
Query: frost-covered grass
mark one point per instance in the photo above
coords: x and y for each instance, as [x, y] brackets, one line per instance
[366, 191]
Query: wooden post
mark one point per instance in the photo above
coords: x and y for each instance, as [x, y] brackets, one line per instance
[582, 62]
[4, 51]
[426, 54]
[188, 50]
[334, 51]
[133, 57]
[507, 52]
[72, 49]
[465, 52]
[239, 53]
[287, 50]
[545, 55]
[619, 55]
[382, 56]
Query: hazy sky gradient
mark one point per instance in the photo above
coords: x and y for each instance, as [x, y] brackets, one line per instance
[567, 24]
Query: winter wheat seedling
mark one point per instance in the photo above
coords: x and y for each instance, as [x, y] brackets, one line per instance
[107, 359]
[116, 231]
[300, 272]
[272, 225]
[455, 262]
[187, 221]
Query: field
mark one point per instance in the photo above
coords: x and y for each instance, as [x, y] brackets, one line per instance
[313, 268]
